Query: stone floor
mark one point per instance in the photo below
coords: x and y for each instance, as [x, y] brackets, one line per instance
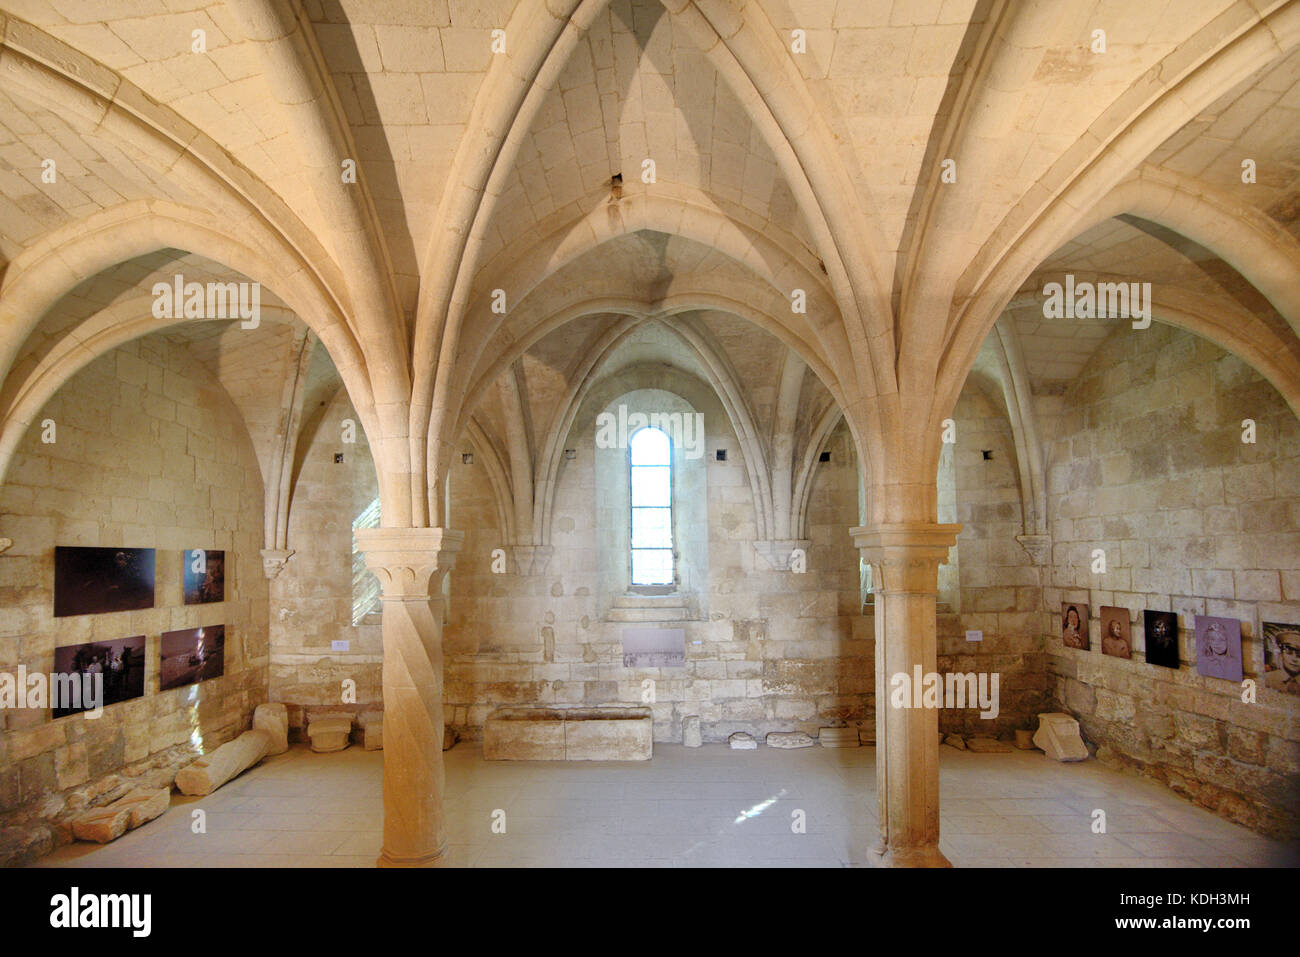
[686, 808]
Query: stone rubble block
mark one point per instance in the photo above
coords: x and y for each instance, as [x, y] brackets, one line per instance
[741, 741]
[213, 770]
[372, 727]
[789, 739]
[330, 731]
[838, 737]
[691, 736]
[1058, 735]
[273, 718]
[988, 745]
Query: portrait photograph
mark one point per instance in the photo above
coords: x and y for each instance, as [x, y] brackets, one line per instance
[1282, 657]
[90, 581]
[203, 576]
[120, 662]
[1074, 625]
[1218, 647]
[1161, 630]
[1115, 638]
[191, 656]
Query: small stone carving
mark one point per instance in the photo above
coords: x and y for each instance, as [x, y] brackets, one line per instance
[213, 770]
[955, 741]
[988, 745]
[789, 739]
[1024, 740]
[330, 732]
[274, 720]
[691, 736]
[838, 737]
[740, 741]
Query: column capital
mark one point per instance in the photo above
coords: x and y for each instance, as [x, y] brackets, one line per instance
[910, 536]
[274, 560]
[409, 561]
[1038, 547]
[531, 559]
[778, 551]
[907, 554]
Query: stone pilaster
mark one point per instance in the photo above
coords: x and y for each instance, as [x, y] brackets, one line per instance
[410, 564]
[905, 560]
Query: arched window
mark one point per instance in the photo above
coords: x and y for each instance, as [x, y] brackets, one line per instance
[651, 468]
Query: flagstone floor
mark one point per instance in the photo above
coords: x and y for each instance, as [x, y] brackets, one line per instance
[706, 807]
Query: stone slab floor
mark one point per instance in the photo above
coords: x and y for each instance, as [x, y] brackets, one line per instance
[687, 808]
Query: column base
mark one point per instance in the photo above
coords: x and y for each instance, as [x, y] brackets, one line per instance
[435, 859]
[927, 855]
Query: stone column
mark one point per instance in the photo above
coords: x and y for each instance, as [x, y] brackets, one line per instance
[410, 564]
[905, 560]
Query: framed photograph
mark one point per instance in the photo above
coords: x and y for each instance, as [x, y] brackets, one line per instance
[191, 656]
[91, 581]
[114, 668]
[1282, 657]
[203, 575]
[1074, 625]
[1116, 639]
[1161, 630]
[1218, 647]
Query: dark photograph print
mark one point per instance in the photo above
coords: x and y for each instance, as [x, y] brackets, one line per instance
[191, 656]
[1282, 657]
[91, 581]
[1218, 647]
[203, 575]
[1074, 625]
[1115, 639]
[1161, 630]
[119, 662]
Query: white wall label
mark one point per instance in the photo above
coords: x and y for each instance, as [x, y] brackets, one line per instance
[974, 636]
[340, 644]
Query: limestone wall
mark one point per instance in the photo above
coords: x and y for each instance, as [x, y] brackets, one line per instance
[149, 452]
[311, 599]
[1148, 463]
[999, 593]
[778, 650]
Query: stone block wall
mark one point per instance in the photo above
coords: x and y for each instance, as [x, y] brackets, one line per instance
[311, 598]
[778, 651]
[148, 453]
[1148, 464]
[1000, 593]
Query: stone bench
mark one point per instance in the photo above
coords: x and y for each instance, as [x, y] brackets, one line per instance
[568, 734]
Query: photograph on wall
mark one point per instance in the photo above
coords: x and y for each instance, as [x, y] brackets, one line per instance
[1116, 640]
[1218, 647]
[1074, 625]
[191, 656]
[118, 664]
[1161, 630]
[203, 575]
[654, 648]
[91, 581]
[1282, 657]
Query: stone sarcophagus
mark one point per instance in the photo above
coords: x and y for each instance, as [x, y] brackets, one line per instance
[568, 734]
